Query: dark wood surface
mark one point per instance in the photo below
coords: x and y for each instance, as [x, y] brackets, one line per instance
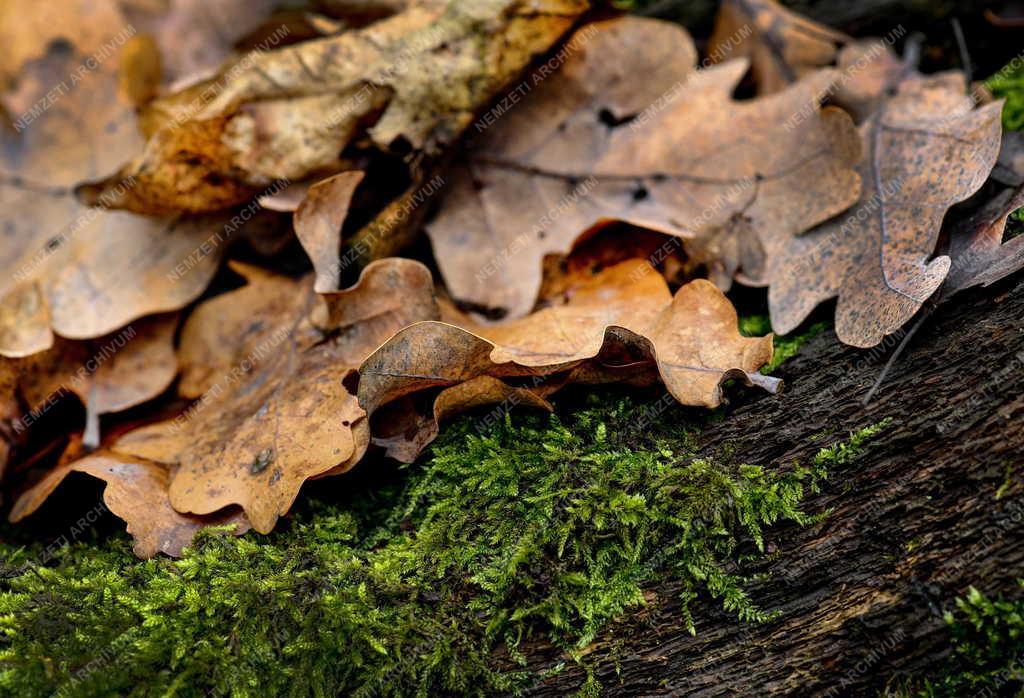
[915, 520]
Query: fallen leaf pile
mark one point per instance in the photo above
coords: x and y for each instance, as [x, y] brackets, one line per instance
[200, 304]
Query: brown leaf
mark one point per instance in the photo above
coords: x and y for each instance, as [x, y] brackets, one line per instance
[979, 255]
[868, 68]
[318, 222]
[782, 46]
[222, 332]
[136, 492]
[925, 150]
[108, 374]
[691, 338]
[673, 152]
[405, 427]
[55, 261]
[282, 414]
[288, 113]
[195, 36]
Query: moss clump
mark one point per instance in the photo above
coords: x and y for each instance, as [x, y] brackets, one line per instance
[786, 346]
[539, 527]
[988, 650]
[844, 452]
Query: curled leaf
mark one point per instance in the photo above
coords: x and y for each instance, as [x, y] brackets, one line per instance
[318, 222]
[782, 46]
[622, 317]
[288, 112]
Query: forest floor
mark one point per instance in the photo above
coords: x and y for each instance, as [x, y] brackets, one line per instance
[429, 579]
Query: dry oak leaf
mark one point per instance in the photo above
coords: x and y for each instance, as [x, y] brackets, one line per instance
[405, 427]
[283, 412]
[136, 491]
[926, 148]
[318, 221]
[691, 338]
[108, 374]
[979, 255]
[222, 332]
[673, 152]
[782, 46]
[288, 113]
[868, 67]
[55, 254]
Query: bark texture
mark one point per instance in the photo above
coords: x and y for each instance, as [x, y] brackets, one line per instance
[935, 504]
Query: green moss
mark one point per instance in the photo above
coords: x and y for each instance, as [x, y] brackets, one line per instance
[1015, 225]
[426, 584]
[988, 650]
[845, 452]
[1008, 84]
[786, 346]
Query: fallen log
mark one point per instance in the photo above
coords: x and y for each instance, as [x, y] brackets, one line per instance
[933, 506]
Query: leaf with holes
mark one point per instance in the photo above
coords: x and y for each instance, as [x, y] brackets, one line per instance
[673, 152]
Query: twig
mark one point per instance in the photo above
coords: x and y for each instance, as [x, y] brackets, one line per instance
[961, 42]
[925, 314]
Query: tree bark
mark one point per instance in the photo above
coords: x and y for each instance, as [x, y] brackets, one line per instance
[932, 506]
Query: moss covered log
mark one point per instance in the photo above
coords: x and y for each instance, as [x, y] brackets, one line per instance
[535, 529]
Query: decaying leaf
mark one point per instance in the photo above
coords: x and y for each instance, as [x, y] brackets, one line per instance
[925, 149]
[57, 257]
[692, 339]
[283, 413]
[673, 152]
[782, 46]
[136, 492]
[288, 113]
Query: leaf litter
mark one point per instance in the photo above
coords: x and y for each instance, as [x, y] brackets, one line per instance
[573, 194]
